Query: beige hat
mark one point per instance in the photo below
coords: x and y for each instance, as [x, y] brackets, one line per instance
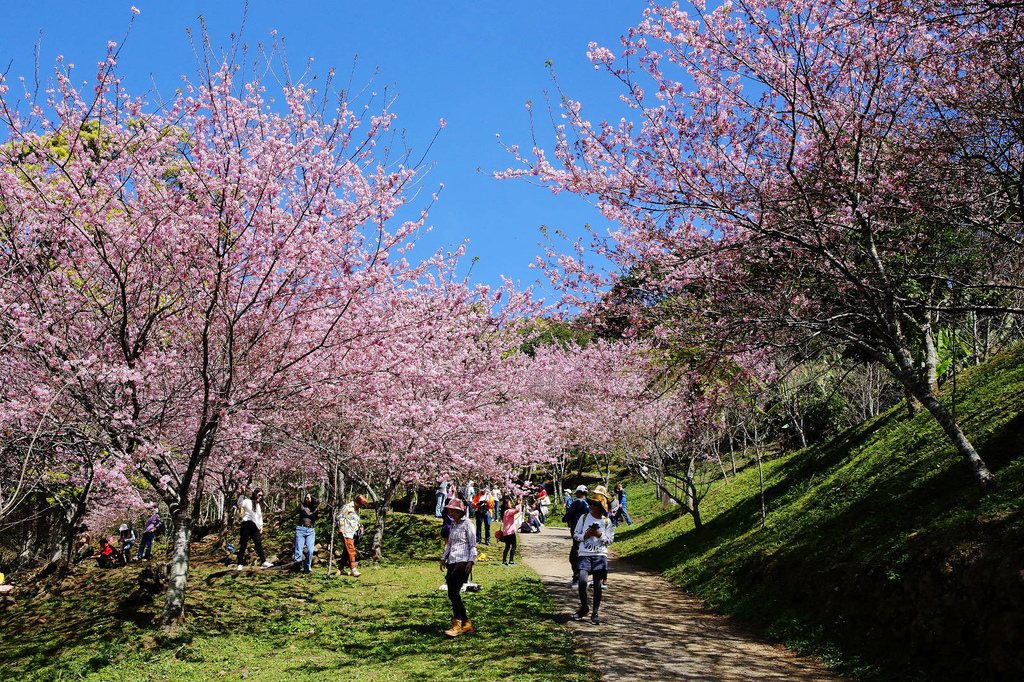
[600, 494]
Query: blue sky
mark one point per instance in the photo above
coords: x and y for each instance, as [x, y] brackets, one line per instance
[474, 64]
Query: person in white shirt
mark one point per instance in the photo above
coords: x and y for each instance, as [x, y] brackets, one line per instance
[349, 518]
[595, 533]
[252, 528]
[458, 558]
[442, 492]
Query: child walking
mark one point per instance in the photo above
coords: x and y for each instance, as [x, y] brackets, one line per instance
[595, 534]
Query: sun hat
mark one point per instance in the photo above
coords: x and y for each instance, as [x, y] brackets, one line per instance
[599, 495]
[581, 488]
[124, 526]
[456, 505]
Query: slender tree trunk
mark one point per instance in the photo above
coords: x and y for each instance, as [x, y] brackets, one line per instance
[334, 519]
[383, 507]
[174, 604]
[931, 360]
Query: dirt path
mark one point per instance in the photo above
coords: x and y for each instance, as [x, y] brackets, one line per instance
[652, 630]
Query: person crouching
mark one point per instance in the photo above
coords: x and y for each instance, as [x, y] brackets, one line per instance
[458, 558]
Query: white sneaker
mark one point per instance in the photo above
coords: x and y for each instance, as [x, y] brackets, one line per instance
[240, 567]
[266, 564]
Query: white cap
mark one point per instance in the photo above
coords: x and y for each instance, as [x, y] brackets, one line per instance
[124, 526]
[581, 488]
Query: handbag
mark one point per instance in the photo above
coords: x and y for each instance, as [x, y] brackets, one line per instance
[498, 534]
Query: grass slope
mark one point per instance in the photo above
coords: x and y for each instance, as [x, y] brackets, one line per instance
[387, 625]
[879, 553]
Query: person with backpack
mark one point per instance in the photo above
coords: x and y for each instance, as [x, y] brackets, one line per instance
[352, 532]
[458, 558]
[573, 511]
[251, 528]
[483, 503]
[595, 533]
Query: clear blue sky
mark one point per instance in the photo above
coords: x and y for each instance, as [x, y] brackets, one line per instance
[474, 64]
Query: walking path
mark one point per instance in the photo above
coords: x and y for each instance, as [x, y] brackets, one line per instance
[652, 630]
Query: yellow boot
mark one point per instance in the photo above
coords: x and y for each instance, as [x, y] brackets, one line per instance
[467, 626]
[456, 628]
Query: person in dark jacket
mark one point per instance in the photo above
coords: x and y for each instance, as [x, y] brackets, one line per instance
[573, 513]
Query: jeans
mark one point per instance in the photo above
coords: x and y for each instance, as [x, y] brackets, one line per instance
[146, 546]
[440, 505]
[247, 531]
[305, 538]
[483, 522]
[622, 513]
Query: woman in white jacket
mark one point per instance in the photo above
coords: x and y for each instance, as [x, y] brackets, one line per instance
[252, 527]
[595, 534]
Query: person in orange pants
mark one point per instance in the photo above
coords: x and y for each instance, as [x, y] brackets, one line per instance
[349, 518]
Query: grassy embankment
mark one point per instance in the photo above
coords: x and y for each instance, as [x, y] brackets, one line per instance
[387, 625]
[879, 553]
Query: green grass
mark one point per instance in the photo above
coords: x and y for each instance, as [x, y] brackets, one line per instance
[387, 625]
[879, 553]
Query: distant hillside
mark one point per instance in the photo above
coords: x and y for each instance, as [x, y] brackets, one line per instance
[879, 554]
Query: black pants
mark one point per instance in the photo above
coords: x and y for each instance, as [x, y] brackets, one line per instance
[455, 579]
[249, 530]
[574, 560]
[510, 548]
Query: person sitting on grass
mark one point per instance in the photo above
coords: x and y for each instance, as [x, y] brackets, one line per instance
[127, 538]
[107, 557]
[458, 558]
[595, 534]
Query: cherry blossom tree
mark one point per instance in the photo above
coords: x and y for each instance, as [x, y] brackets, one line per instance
[784, 182]
[177, 268]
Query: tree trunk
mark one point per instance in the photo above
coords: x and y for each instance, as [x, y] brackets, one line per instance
[174, 604]
[334, 519]
[383, 507]
[931, 360]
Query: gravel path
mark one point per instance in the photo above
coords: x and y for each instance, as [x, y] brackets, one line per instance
[652, 630]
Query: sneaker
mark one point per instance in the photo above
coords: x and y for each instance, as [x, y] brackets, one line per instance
[511, 563]
[580, 615]
[240, 567]
[573, 583]
[595, 620]
[355, 573]
[266, 564]
[504, 563]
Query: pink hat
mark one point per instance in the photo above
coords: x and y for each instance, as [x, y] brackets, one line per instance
[456, 505]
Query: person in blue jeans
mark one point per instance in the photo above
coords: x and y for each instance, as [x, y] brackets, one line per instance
[442, 497]
[305, 533]
[148, 533]
[620, 493]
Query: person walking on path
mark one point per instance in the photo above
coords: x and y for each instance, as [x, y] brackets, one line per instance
[620, 495]
[573, 512]
[148, 533]
[349, 518]
[483, 503]
[458, 558]
[251, 528]
[595, 534]
[305, 532]
[510, 521]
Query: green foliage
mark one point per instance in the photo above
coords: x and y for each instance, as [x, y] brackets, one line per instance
[879, 553]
